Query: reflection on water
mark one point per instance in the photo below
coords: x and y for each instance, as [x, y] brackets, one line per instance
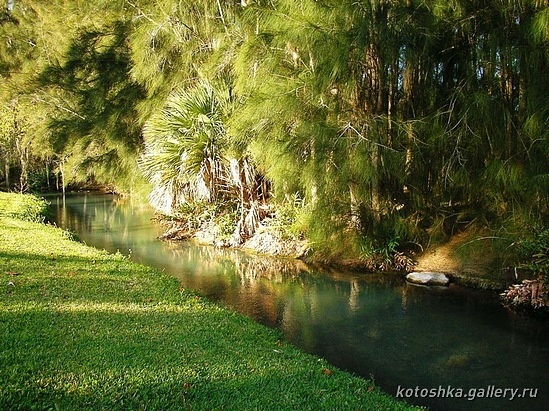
[372, 325]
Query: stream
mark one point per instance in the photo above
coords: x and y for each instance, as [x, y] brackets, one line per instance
[448, 348]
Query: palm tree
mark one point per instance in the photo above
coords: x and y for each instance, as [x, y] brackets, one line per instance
[187, 157]
[185, 144]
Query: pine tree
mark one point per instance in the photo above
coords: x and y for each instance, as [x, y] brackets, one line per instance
[95, 122]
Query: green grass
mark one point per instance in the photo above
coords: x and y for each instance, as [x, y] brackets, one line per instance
[82, 329]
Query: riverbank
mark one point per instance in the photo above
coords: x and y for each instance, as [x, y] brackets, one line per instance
[473, 258]
[82, 329]
[468, 262]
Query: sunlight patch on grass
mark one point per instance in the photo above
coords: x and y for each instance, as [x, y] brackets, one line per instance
[82, 329]
[102, 307]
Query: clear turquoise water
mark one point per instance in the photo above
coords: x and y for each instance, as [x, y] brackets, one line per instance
[440, 340]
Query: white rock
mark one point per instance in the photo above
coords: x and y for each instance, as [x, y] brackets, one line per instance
[428, 278]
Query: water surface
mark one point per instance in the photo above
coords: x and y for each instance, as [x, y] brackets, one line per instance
[439, 340]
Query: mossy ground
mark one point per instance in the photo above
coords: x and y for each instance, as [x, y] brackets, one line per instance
[82, 329]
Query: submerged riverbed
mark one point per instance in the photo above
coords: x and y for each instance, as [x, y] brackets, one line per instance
[415, 342]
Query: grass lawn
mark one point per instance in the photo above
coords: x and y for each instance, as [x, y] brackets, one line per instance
[82, 329]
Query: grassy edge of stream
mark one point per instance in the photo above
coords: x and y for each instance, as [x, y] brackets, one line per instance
[84, 329]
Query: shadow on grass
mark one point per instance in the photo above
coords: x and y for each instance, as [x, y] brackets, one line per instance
[103, 279]
[101, 332]
[160, 358]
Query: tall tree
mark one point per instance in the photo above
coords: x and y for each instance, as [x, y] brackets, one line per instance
[416, 108]
[175, 44]
[95, 122]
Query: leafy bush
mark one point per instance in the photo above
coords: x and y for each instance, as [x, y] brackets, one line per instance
[23, 207]
[227, 223]
[384, 256]
[287, 216]
[534, 252]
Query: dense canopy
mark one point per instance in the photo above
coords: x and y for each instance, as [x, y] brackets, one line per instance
[363, 126]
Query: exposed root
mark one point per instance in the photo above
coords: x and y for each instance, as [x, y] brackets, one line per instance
[529, 295]
[396, 262]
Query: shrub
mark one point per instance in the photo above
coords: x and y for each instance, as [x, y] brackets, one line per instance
[534, 252]
[23, 207]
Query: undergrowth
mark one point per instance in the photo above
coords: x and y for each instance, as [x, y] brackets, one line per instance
[23, 207]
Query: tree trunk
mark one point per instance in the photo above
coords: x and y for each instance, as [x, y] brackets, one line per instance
[23, 178]
[356, 221]
[62, 172]
[409, 148]
[47, 175]
[7, 172]
[374, 185]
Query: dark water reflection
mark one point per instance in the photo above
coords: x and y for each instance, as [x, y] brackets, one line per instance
[370, 324]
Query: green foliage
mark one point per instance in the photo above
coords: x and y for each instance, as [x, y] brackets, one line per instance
[226, 223]
[288, 218]
[174, 44]
[16, 51]
[288, 212]
[15, 144]
[386, 118]
[99, 135]
[534, 252]
[383, 255]
[185, 147]
[75, 76]
[199, 214]
[23, 207]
